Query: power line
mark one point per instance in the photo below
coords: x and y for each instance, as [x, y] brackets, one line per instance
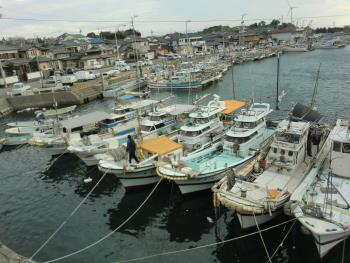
[157, 21]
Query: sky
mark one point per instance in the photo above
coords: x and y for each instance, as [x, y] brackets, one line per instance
[159, 17]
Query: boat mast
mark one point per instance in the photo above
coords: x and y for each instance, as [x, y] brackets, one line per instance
[277, 83]
[315, 88]
[233, 81]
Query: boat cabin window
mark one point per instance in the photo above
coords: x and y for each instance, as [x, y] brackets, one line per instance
[288, 137]
[147, 128]
[190, 133]
[200, 120]
[159, 125]
[346, 147]
[240, 140]
[245, 125]
[212, 117]
[336, 146]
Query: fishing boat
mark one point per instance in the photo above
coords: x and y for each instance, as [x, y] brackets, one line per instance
[260, 196]
[160, 118]
[200, 170]
[204, 125]
[143, 173]
[128, 110]
[322, 202]
[69, 130]
[20, 135]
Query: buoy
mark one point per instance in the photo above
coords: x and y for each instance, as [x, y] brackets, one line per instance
[210, 220]
[88, 180]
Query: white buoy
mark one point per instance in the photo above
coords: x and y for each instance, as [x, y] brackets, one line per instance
[210, 220]
[88, 180]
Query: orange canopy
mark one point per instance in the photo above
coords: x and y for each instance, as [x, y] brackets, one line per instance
[232, 105]
[160, 145]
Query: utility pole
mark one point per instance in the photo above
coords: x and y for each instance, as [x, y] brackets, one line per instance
[3, 75]
[187, 39]
[2, 72]
[116, 39]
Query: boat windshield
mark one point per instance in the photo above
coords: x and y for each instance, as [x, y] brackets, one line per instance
[156, 118]
[190, 133]
[245, 125]
[288, 137]
[199, 120]
[236, 140]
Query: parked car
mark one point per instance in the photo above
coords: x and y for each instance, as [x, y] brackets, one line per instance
[18, 89]
[68, 79]
[84, 75]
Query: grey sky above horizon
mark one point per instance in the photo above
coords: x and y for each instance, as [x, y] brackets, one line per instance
[122, 10]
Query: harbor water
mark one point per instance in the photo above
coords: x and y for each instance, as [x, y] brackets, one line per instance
[37, 192]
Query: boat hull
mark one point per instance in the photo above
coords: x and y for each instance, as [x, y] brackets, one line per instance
[139, 177]
[247, 220]
[199, 184]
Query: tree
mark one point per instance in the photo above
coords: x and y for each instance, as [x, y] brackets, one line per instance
[275, 23]
[262, 24]
[91, 35]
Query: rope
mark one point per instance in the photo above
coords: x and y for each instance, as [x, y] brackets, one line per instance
[204, 246]
[54, 160]
[281, 244]
[262, 239]
[67, 219]
[110, 233]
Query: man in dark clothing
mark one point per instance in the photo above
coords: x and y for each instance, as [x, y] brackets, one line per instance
[131, 148]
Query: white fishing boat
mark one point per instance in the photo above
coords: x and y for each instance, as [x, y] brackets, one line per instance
[88, 146]
[144, 173]
[19, 135]
[205, 125]
[70, 130]
[200, 170]
[261, 197]
[128, 111]
[322, 202]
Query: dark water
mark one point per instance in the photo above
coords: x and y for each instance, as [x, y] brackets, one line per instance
[36, 195]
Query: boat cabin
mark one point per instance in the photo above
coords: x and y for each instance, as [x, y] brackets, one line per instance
[289, 146]
[340, 155]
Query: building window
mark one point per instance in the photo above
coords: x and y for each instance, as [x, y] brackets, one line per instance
[346, 147]
[336, 146]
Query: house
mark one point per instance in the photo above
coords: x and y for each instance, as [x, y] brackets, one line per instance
[8, 52]
[29, 52]
[290, 35]
[189, 45]
[141, 46]
[249, 38]
[46, 64]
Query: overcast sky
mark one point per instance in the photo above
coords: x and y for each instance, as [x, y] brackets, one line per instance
[120, 10]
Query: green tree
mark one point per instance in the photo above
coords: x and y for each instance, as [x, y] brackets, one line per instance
[91, 35]
[275, 23]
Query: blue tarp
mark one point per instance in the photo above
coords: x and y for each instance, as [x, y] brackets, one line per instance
[126, 97]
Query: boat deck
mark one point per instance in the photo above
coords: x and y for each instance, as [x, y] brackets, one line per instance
[212, 161]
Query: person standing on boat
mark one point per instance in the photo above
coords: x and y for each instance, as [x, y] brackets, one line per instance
[131, 149]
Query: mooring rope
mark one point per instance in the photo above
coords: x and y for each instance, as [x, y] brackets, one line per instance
[110, 233]
[262, 239]
[67, 219]
[204, 246]
[284, 238]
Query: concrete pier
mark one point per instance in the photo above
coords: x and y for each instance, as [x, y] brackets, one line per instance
[5, 107]
[9, 256]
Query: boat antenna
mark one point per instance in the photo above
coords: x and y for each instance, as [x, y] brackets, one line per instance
[277, 82]
[315, 87]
